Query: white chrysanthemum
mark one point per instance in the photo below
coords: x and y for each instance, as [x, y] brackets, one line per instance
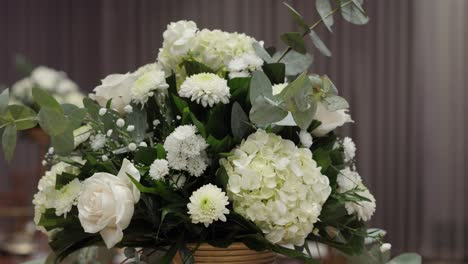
[305, 138]
[349, 149]
[66, 197]
[46, 78]
[208, 204]
[276, 185]
[278, 88]
[147, 82]
[244, 64]
[186, 150]
[348, 180]
[158, 169]
[98, 142]
[206, 89]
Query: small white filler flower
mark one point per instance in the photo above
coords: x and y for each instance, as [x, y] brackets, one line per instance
[208, 204]
[206, 89]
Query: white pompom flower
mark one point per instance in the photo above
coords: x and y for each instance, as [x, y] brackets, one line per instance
[206, 89]
[305, 138]
[158, 169]
[349, 149]
[208, 204]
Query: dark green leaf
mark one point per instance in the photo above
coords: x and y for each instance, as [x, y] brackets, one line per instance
[261, 52]
[44, 99]
[322, 158]
[219, 146]
[222, 177]
[239, 121]
[295, 41]
[63, 179]
[275, 72]
[318, 43]
[297, 18]
[239, 88]
[260, 85]
[4, 99]
[52, 121]
[63, 143]
[160, 151]
[180, 103]
[218, 115]
[74, 115]
[146, 155]
[195, 67]
[353, 12]
[92, 107]
[9, 141]
[200, 126]
[324, 9]
[25, 117]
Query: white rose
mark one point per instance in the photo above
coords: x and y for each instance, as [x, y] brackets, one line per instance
[106, 205]
[117, 88]
[179, 35]
[329, 120]
[126, 169]
[46, 78]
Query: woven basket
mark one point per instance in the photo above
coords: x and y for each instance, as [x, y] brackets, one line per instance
[237, 253]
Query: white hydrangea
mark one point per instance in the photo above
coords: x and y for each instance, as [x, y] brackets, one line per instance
[66, 86]
[276, 185]
[22, 89]
[208, 204]
[278, 88]
[349, 149]
[98, 142]
[149, 78]
[243, 65]
[348, 180]
[305, 138]
[206, 89]
[186, 150]
[158, 169]
[46, 78]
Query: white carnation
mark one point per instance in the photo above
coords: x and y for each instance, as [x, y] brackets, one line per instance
[98, 142]
[158, 169]
[244, 65]
[186, 150]
[330, 120]
[276, 185]
[305, 138]
[66, 197]
[208, 204]
[349, 149]
[148, 81]
[206, 89]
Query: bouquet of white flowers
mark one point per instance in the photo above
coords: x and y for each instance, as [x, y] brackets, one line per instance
[219, 141]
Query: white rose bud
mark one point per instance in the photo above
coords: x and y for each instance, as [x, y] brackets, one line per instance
[329, 120]
[115, 87]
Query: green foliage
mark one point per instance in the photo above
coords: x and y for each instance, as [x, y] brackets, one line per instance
[260, 86]
[265, 112]
[63, 179]
[22, 116]
[297, 18]
[295, 62]
[352, 11]
[63, 143]
[52, 121]
[324, 8]
[138, 119]
[295, 41]
[275, 72]
[262, 53]
[194, 67]
[43, 99]
[4, 98]
[9, 141]
[318, 43]
[239, 121]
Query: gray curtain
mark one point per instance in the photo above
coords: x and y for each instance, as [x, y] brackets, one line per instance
[404, 75]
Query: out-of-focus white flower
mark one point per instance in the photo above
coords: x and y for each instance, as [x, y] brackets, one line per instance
[349, 149]
[104, 158]
[385, 247]
[206, 89]
[305, 138]
[46, 78]
[102, 111]
[128, 109]
[158, 169]
[329, 120]
[120, 122]
[348, 180]
[130, 128]
[208, 204]
[143, 144]
[276, 185]
[22, 89]
[98, 142]
[146, 83]
[74, 98]
[132, 146]
[66, 86]
[117, 88]
[186, 150]
[278, 88]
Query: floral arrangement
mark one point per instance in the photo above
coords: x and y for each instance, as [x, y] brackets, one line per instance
[219, 141]
[56, 83]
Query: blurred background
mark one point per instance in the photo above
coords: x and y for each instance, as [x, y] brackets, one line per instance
[404, 74]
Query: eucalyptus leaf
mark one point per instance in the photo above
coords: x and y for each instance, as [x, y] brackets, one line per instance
[23, 116]
[92, 108]
[52, 121]
[295, 41]
[297, 18]
[304, 119]
[239, 121]
[295, 62]
[261, 52]
[44, 99]
[74, 114]
[407, 258]
[263, 112]
[4, 99]
[260, 85]
[351, 12]
[137, 118]
[63, 143]
[324, 9]
[9, 141]
[335, 102]
[318, 43]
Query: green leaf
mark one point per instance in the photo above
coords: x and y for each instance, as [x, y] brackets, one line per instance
[322, 158]
[222, 177]
[137, 118]
[264, 112]
[195, 67]
[304, 119]
[24, 117]
[63, 143]
[92, 107]
[239, 121]
[180, 103]
[146, 155]
[324, 9]
[295, 62]
[74, 114]
[407, 258]
[200, 126]
[353, 12]
[44, 99]
[275, 72]
[260, 85]
[63, 179]
[297, 18]
[52, 121]
[261, 52]
[4, 99]
[239, 89]
[335, 102]
[219, 146]
[294, 87]
[9, 141]
[295, 41]
[318, 43]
